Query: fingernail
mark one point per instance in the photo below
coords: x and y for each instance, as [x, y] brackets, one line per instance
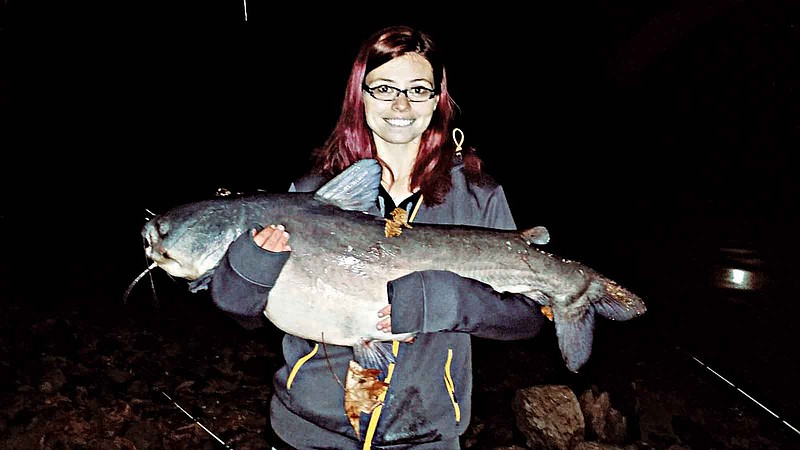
[281, 227]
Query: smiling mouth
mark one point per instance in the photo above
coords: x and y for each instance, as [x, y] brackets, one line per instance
[399, 122]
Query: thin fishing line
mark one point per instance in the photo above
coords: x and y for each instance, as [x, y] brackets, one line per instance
[743, 392]
[196, 421]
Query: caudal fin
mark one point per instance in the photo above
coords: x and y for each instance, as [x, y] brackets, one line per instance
[613, 301]
[575, 335]
[575, 321]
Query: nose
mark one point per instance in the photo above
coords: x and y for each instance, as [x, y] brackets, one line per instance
[152, 240]
[401, 102]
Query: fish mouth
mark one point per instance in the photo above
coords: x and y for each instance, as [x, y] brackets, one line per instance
[159, 257]
[175, 268]
[170, 265]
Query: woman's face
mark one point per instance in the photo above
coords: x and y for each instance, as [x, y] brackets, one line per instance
[400, 121]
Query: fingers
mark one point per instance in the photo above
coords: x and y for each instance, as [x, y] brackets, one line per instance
[385, 323]
[274, 238]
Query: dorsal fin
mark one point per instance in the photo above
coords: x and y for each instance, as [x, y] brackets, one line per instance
[355, 189]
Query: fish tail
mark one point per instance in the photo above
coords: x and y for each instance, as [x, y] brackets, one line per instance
[374, 355]
[575, 328]
[575, 336]
[613, 301]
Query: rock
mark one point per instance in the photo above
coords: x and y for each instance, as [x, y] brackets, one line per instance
[603, 421]
[597, 446]
[118, 376]
[549, 416]
[146, 435]
[52, 381]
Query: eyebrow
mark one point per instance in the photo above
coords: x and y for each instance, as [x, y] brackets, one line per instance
[387, 80]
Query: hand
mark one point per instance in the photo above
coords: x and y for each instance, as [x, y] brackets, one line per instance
[385, 323]
[274, 238]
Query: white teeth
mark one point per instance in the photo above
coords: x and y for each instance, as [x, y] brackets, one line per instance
[399, 122]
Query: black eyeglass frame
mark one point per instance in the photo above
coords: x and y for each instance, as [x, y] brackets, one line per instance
[398, 91]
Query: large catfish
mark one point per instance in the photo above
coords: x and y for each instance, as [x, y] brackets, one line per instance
[334, 282]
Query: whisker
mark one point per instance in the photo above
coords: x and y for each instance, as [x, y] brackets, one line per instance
[136, 280]
[153, 288]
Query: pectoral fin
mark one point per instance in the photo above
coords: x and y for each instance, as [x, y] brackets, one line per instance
[355, 189]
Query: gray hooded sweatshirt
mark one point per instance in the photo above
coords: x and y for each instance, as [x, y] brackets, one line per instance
[428, 401]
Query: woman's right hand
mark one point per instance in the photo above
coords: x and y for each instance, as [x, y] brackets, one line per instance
[274, 238]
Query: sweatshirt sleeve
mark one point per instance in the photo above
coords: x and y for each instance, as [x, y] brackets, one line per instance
[436, 300]
[241, 283]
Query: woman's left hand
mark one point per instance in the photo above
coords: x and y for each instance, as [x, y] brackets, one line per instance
[385, 322]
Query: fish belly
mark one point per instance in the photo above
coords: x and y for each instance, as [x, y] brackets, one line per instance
[328, 308]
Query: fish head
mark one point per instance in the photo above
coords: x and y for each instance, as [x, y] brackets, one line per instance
[189, 241]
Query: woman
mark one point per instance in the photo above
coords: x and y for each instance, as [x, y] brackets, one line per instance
[397, 109]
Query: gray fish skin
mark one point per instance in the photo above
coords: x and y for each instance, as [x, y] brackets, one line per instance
[335, 280]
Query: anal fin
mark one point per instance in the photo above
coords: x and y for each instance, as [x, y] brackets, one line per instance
[374, 355]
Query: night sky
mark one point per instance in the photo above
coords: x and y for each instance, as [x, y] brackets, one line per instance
[643, 134]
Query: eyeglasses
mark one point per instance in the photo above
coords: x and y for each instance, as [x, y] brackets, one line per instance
[389, 93]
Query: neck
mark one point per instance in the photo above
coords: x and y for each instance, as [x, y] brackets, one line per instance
[400, 159]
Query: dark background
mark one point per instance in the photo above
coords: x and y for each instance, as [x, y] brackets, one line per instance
[604, 117]
[645, 135]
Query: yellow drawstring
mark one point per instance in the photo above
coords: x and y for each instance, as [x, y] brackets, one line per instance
[416, 208]
[299, 363]
[376, 413]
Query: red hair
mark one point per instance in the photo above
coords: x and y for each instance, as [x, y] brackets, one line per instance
[351, 139]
